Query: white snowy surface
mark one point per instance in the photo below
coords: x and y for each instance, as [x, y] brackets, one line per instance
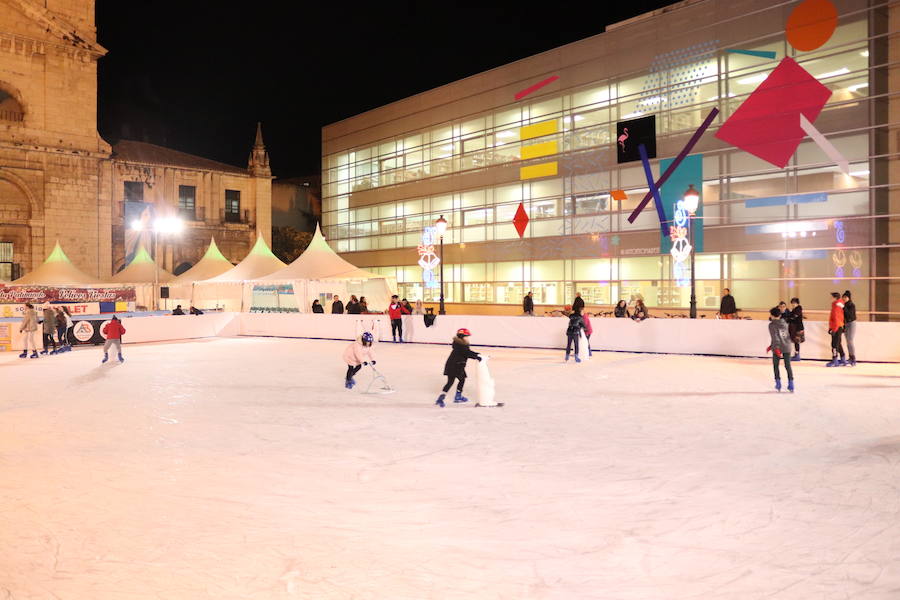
[241, 468]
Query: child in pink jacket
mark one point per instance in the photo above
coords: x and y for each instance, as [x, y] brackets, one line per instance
[356, 355]
[588, 330]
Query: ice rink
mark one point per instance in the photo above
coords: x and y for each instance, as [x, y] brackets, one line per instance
[242, 469]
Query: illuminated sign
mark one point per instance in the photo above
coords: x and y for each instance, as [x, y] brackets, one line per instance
[681, 247]
[428, 260]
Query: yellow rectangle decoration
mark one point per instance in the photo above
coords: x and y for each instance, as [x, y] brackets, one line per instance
[542, 170]
[538, 150]
[537, 130]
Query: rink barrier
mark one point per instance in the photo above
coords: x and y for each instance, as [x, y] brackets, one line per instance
[746, 338]
[878, 342]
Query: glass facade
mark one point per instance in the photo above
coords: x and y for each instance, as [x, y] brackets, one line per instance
[770, 233]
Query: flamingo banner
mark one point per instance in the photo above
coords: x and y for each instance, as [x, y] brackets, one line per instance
[633, 133]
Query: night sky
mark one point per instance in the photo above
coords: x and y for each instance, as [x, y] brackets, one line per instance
[197, 75]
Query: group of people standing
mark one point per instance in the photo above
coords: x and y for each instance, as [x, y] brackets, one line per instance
[395, 311]
[354, 306]
[54, 321]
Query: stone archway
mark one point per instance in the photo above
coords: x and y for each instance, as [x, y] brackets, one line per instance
[16, 211]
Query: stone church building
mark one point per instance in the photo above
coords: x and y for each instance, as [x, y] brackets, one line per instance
[59, 180]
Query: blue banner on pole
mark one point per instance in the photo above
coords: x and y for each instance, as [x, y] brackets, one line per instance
[689, 172]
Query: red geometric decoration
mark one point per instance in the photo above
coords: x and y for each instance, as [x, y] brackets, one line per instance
[767, 124]
[521, 219]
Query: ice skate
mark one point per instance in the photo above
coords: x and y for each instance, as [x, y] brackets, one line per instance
[34, 354]
[578, 360]
[832, 363]
[350, 383]
[795, 358]
[44, 351]
[791, 385]
[777, 385]
[567, 357]
[105, 358]
[842, 363]
[459, 399]
[852, 361]
[394, 339]
[440, 400]
[24, 354]
[121, 358]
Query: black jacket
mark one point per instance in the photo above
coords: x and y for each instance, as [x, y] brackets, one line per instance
[177, 311]
[622, 312]
[456, 362]
[794, 318]
[352, 308]
[576, 323]
[337, 308]
[849, 312]
[528, 304]
[727, 307]
[578, 303]
[318, 308]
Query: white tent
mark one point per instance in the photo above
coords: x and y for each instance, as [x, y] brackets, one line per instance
[226, 290]
[57, 269]
[319, 271]
[211, 265]
[142, 269]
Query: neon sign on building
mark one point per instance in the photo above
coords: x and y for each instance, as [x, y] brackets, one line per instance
[681, 247]
[428, 260]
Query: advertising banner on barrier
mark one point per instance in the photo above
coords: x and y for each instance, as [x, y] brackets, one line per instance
[40, 294]
[88, 331]
[75, 309]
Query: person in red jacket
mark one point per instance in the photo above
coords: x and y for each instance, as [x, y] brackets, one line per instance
[395, 311]
[835, 329]
[113, 332]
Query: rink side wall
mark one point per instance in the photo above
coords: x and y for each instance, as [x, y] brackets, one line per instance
[874, 341]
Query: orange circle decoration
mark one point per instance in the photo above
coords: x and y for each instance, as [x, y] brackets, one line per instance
[811, 24]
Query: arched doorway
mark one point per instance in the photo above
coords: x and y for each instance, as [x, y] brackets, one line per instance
[15, 233]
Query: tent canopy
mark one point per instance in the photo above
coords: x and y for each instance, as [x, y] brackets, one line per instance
[141, 269]
[212, 264]
[319, 261]
[56, 270]
[258, 263]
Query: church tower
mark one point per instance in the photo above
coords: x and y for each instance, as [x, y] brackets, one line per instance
[261, 172]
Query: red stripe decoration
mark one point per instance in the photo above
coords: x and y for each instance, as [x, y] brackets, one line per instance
[536, 87]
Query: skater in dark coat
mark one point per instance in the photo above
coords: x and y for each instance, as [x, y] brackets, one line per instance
[353, 306]
[578, 304]
[849, 326]
[318, 308]
[621, 310]
[337, 307]
[781, 347]
[794, 320]
[455, 368]
[573, 332]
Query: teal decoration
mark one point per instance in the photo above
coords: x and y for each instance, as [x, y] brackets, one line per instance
[690, 171]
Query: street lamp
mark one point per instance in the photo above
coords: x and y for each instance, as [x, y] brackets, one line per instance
[160, 225]
[441, 227]
[691, 203]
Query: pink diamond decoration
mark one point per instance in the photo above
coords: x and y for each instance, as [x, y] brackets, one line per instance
[767, 124]
[521, 219]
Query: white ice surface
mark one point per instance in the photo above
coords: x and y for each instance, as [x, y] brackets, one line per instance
[241, 468]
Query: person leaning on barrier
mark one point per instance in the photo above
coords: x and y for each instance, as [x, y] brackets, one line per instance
[727, 308]
[178, 310]
[528, 304]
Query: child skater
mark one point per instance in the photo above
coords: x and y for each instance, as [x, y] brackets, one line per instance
[113, 332]
[455, 368]
[781, 347]
[573, 332]
[356, 355]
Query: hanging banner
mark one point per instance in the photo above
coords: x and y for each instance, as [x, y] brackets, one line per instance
[690, 171]
[57, 295]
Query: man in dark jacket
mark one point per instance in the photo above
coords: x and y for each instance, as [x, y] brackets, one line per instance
[578, 304]
[573, 332]
[850, 326]
[337, 307]
[528, 305]
[727, 308]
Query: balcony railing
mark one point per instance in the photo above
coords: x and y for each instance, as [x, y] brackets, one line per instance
[12, 115]
[235, 217]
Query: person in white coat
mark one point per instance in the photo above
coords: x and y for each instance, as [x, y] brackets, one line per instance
[29, 327]
[356, 355]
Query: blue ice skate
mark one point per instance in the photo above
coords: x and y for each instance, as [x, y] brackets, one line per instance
[843, 363]
[777, 385]
[121, 358]
[34, 354]
[440, 400]
[578, 360]
[105, 358]
[24, 354]
[832, 363]
[460, 398]
[795, 358]
[790, 385]
[350, 383]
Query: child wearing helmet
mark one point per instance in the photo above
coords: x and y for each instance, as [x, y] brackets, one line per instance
[356, 355]
[456, 366]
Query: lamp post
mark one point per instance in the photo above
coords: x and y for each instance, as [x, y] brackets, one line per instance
[160, 225]
[441, 227]
[691, 202]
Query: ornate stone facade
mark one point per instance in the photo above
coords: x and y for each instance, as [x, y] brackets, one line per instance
[59, 180]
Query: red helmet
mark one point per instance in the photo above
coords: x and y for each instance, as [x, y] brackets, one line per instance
[463, 332]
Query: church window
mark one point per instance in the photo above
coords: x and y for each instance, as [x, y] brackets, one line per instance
[232, 206]
[187, 198]
[10, 109]
[134, 191]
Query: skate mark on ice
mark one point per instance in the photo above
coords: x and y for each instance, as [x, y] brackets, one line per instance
[95, 374]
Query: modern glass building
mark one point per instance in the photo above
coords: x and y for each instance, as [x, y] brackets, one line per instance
[472, 152]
